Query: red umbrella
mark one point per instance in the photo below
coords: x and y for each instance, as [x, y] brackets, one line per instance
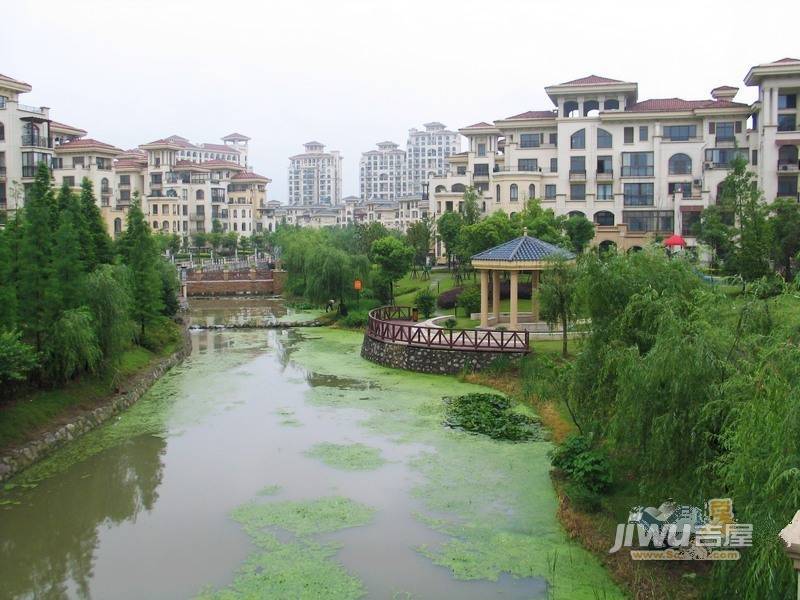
[674, 240]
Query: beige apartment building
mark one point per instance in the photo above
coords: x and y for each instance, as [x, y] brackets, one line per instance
[635, 167]
[427, 151]
[382, 172]
[315, 177]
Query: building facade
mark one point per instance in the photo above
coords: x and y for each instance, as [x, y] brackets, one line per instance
[426, 154]
[315, 177]
[382, 172]
[637, 168]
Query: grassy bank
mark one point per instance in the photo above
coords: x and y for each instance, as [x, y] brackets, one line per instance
[22, 418]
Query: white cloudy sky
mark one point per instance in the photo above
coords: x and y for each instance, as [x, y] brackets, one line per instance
[350, 73]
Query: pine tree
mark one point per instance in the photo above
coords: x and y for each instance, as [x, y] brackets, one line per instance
[69, 207]
[140, 253]
[8, 294]
[36, 285]
[103, 249]
[68, 266]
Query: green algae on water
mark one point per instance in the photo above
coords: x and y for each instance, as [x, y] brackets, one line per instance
[304, 517]
[269, 490]
[349, 457]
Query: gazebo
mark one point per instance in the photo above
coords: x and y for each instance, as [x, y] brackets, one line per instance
[522, 254]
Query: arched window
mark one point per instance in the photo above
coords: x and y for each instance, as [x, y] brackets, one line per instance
[117, 225]
[199, 195]
[680, 164]
[513, 193]
[575, 213]
[607, 246]
[604, 217]
[604, 139]
[165, 225]
[591, 108]
[172, 193]
[611, 105]
[497, 193]
[531, 191]
[577, 141]
[441, 188]
[104, 184]
[787, 155]
[458, 187]
[571, 109]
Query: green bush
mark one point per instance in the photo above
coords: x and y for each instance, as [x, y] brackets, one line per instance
[17, 360]
[450, 323]
[583, 464]
[160, 335]
[582, 497]
[490, 414]
[426, 302]
[354, 320]
[470, 300]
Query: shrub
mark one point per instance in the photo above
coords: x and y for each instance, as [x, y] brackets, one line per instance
[450, 323]
[426, 302]
[17, 360]
[470, 300]
[583, 464]
[448, 299]
[73, 346]
[355, 320]
[161, 335]
[582, 497]
[490, 414]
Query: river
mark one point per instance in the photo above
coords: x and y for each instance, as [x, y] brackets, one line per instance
[279, 464]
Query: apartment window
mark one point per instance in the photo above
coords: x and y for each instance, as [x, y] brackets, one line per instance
[637, 164]
[2, 131]
[513, 194]
[554, 139]
[155, 211]
[680, 133]
[497, 193]
[604, 218]
[554, 165]
[481, 170]
[787, 101]
[482, 186]
[57, 163]
[77, 161]
[604, 164]
[550, 191]
[155, 178]
[461, 170]
[124, 179]
[531, 191]
[528, 164]
[3, 100]
[680, 164]
[124, 195]
[680, 187]
[605, 191]
[604, 139]
[628, 135]
[530, 140]
[723, 157]
[577, 191]
[638, 194]
[103, 164]
[725, 131]
[577, 164]
[660, 221]
[754, 160]
[786, 122]
[644, 132]
[481, 149]
[70, 181]
[787, 185]
[577, 140]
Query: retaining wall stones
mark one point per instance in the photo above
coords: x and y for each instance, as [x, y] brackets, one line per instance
[24, 456]
[428, 360]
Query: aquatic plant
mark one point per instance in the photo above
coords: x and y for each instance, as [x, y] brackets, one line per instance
[350, 457]
[490, 414]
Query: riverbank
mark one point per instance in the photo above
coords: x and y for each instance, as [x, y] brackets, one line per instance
[44, 420]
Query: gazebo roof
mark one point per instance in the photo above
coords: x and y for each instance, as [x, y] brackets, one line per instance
[524, 249]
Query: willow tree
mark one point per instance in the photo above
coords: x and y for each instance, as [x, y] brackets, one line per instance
[558, 297]
[330, 275]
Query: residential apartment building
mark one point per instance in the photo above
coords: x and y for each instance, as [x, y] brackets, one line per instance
[637, 168]
[426, 154]
[382, 172]
[315, 177]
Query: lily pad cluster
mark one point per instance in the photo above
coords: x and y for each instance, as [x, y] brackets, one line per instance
[492, 415]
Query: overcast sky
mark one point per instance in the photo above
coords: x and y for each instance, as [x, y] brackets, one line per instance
[351, 73]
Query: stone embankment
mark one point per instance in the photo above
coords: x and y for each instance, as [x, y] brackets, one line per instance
[19, 458]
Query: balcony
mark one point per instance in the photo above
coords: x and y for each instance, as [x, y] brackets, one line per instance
[785, 166]
[201, 218]
[725, 139]
[31, 109]
[575, 175]
[604, 175]
[104, 166]
[36, 141]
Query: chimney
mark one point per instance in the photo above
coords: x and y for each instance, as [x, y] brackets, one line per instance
[724, 92]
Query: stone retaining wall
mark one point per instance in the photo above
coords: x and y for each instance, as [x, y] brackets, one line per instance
[20, 458]
[236, 285]
[428, 360]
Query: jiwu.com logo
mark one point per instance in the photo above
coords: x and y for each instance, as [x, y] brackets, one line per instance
[680, 532]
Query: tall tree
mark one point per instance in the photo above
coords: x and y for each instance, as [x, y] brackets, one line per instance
[140, 253]
[785, 225]
[449, 227]
[68, 266]
[419, 236]
[714, 230]
[580, 231]
[331, 274]
[558, 297]
[471, 209]
[8, 293]
[393, 257]
[109, 298]
[103, 248]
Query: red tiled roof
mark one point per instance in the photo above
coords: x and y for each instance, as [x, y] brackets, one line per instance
[479, 125]
[534, 114]
[221, 164]
[250, 175]
[235, 136]
[784, 60]
[65, 126]
[671, 104]
[124, 164]
[162, 142]
[188, 164]
[725, 87]
[591, 80]
[88, 143]
[219, 148]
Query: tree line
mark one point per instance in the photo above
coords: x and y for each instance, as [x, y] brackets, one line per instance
[72, 300]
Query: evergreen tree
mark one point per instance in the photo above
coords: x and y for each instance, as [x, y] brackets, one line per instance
[8, 294]
[140, 253]
[68, 266]
[69, 207]
[36, 285]
[103, 249]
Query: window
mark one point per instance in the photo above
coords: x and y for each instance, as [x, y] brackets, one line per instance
[591, 108]
[604, 218]
[57, 162]
[680, 187]
[605, 191]
[644, 132]
[611, 105]
[680, 133]
[497, 193]
[554, 165]
[754, 160]
[722, 157]
[481, 170]
[528, 164]
[70, 181]
[787, 101]
[787, 155]
[3, 100]
[786, 122]
[577, 164]
[577, 140]
[649, 220]
[554, 139]
[199, 195]
[514, 193]
[530, 140]
[77, 161]
[104, 185]
[577, 191]
[680, 164]
[124, 179]
[550, 191]
[725, 131]
[124, 195]
[787, 185]
[461, 170]
[604, 164]
[603, 139]
[531, 191]
[2, 132]
[155, 211]
[571, 109]
[638, 194]
[637, 164]
[481, 149]
[628, 135]
[117, 225]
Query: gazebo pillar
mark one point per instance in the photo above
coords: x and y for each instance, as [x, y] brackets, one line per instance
[484, 298]
[496, 296]
[535, 295]
[514, 317]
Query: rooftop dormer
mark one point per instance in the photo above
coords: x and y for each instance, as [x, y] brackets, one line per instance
[587, 96]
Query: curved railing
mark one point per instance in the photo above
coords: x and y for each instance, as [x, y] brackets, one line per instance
[388, 324]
